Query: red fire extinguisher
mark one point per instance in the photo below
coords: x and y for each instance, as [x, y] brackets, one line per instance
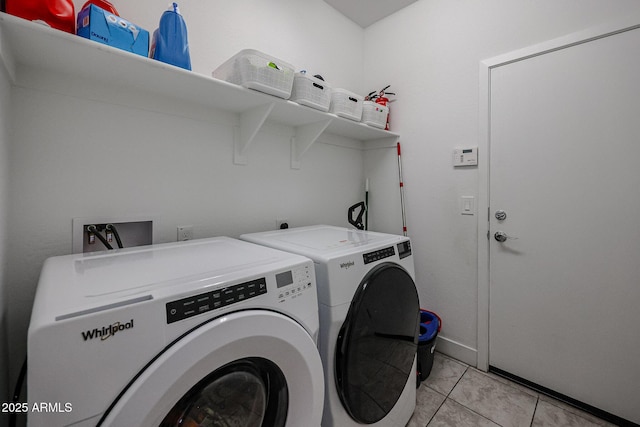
[384, 101]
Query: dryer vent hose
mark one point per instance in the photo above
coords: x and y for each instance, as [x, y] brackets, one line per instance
[13, 418]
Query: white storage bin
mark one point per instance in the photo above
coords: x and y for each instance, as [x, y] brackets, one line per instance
[255, 70]
[311, 91]
[346, 104]
[374, 114]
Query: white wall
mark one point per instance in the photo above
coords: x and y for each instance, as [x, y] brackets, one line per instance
[430, 53]
[77, 156]
[5, 96]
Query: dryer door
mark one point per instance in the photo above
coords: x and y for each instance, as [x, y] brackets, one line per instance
[377, 343]
[250, 368]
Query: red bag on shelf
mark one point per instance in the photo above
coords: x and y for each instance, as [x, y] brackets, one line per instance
[58, 14]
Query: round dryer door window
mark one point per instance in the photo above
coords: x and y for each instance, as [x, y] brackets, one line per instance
[251, 393]
[377, 343]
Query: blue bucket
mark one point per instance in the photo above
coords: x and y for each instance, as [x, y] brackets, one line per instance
[430, 325]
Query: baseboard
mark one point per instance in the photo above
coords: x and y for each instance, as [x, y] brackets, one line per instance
[457, 350]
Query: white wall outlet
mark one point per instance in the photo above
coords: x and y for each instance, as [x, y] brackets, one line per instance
[185, 232]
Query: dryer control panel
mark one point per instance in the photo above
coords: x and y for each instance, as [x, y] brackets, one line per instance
[378, 255]
[404, 250]
[202, 303]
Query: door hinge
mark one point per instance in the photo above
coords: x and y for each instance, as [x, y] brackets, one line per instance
[488, 221]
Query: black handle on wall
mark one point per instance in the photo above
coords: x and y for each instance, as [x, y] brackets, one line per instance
[357, 221]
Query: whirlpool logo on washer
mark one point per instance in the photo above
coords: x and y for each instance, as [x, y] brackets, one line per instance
[107, 331]
[347, 265]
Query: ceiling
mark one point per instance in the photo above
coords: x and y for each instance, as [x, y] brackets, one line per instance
[366, 12]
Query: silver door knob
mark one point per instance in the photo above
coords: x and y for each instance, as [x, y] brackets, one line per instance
[501, 236]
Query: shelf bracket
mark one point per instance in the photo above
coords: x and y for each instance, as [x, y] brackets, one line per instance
[384, 142]
[304, 138]
[250, 123]
[6, 57]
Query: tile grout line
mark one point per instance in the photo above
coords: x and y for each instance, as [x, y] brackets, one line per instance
[535, 409]
[457, 382]
[446, 396]
[537, 396]
[474, 412]
[469, 409]
[435, 412]
[512, 384]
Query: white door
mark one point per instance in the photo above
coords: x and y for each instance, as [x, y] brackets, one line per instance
[564, 288]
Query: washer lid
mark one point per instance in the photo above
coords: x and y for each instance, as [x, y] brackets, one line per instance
[80, 281]
[323, 242]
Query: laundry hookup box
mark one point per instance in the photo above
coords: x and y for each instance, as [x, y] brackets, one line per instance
[102, 26]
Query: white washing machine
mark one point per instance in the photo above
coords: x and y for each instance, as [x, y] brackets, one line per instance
[205, 332]
[369, 316]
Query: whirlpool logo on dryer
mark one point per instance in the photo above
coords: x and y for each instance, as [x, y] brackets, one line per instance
[107, 331]
[347, 264]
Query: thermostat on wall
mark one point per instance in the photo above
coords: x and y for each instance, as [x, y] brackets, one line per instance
[465, 156]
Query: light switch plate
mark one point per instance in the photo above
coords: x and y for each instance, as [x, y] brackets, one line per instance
[467, 205]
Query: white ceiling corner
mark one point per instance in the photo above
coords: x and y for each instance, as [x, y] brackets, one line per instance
[366, 12]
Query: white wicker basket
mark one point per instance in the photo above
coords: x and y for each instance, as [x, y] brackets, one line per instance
[255, 70]
[374, 114]
[311, 91]
[346, 104]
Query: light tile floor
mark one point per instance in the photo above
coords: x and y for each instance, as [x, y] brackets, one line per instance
[457, 395]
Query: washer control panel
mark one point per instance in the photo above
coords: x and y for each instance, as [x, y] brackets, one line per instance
[202, 303]
[292, 283]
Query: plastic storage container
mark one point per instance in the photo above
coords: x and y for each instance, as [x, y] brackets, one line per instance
[346, 104]
[255, 70]
[59, 14]
[374, 114]
[104, 27]
[102, 4]
[430, 325]
[311, 91]
[170, 43]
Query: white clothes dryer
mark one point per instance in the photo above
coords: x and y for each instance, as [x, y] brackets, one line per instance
[369, 321]
[205, 332]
